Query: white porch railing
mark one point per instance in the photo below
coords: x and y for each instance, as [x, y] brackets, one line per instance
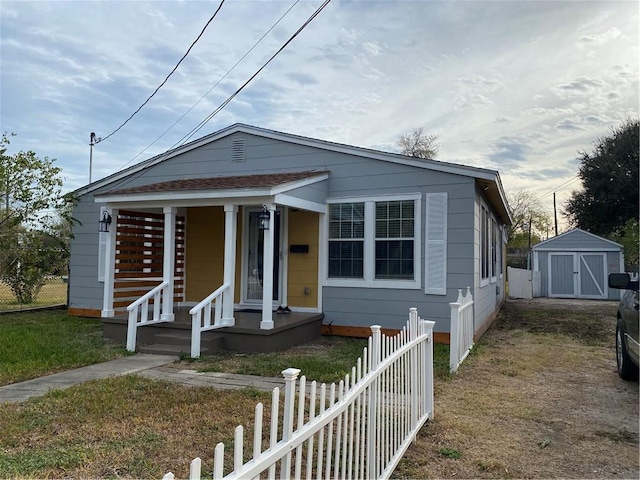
[361, 429]
[197, 326]
[139, 312]
[461, 332]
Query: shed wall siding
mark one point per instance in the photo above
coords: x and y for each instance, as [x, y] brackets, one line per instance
[612, 266]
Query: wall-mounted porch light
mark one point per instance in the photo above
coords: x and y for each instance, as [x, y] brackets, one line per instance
[104, 222]
[263, 218]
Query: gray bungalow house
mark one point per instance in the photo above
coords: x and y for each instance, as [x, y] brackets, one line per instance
[349, 235]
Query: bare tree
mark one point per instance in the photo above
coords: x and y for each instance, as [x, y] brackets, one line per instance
[527, 212]
[418, 144]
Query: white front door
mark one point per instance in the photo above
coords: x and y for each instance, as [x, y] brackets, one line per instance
[253, 276]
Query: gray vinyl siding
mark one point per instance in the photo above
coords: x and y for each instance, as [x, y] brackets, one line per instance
[84, 289]
[316, 192]
[487, 297]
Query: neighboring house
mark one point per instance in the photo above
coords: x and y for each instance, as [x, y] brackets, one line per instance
[355, 234]
[577, 264]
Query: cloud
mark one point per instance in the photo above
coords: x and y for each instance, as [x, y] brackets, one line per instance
[472, 100]
[303, 79]
[510, 150]
[372, 48]
[569, 124]
[580, 86]
[600, 38]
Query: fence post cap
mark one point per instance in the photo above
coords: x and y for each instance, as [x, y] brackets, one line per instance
[291, 373]
[375, 328]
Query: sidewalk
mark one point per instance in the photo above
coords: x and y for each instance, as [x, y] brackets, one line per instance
[147, 365]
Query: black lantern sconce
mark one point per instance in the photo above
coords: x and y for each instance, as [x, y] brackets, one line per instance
[263, 218]
[104, 222]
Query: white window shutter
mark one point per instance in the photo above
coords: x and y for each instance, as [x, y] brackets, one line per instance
[102, 250]
[436, 244]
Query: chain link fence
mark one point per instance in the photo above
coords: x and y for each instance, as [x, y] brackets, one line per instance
[53, 293]
[25, 285]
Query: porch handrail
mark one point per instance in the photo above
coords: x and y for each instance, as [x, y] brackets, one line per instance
[197, 327]
[139, 313]
[147, 296]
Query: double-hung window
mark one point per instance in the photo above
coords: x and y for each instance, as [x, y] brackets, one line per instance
[374, 242]
[395, 234]
[346, 240]
[484, 244]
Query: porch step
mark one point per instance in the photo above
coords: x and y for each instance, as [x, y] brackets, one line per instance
[163, 349]
[175, 343]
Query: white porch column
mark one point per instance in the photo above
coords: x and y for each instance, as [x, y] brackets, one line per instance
[230, 233]
[267, 272]
[168, 261]
[109, 268]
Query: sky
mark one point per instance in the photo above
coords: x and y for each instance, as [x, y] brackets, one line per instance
[517, 86]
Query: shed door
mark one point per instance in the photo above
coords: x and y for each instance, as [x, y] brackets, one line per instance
[562, 275]
[592, 275]
[577, 275]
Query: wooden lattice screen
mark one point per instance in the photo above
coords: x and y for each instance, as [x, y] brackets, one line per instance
[139, 256]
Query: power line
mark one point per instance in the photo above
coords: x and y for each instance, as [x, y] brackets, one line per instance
[170, 73]
[198, 127]
[564, 184]
[215, 84]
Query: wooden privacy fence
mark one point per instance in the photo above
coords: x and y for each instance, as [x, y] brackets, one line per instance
[357, 429]
[461, 333]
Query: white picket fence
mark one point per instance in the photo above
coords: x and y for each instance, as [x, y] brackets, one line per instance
[461, 332]
[359, 429]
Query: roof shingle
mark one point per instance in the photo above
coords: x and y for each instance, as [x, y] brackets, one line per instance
[219, 183]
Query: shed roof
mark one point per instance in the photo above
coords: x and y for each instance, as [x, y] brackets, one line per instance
[569, 241]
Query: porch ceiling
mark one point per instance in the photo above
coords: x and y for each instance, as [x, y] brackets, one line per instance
[286, 188]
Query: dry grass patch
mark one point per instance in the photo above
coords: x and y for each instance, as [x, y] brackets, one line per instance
[534, 404]
[127, 427]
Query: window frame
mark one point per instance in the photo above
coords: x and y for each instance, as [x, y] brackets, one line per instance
[368, 280]
[491, 234]
[493, 248]
[340, 240]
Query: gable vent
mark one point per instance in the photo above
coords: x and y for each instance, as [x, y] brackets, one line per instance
[238, 152]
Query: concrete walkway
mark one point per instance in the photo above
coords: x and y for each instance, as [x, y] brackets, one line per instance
[148, 365]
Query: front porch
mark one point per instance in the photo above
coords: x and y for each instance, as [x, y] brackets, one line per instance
[174, 337]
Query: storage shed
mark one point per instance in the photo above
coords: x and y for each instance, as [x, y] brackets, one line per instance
[576, 264]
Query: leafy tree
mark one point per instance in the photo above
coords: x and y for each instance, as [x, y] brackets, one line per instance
[30, 205]
[28, 186]
[609, 175]
[28, 263]
[418, 144]
[629, 238]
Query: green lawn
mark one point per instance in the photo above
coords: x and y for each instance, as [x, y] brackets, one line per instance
[327, 359]
[38, 343]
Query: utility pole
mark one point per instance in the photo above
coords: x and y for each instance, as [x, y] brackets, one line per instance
[555, 213]
[92, 141]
